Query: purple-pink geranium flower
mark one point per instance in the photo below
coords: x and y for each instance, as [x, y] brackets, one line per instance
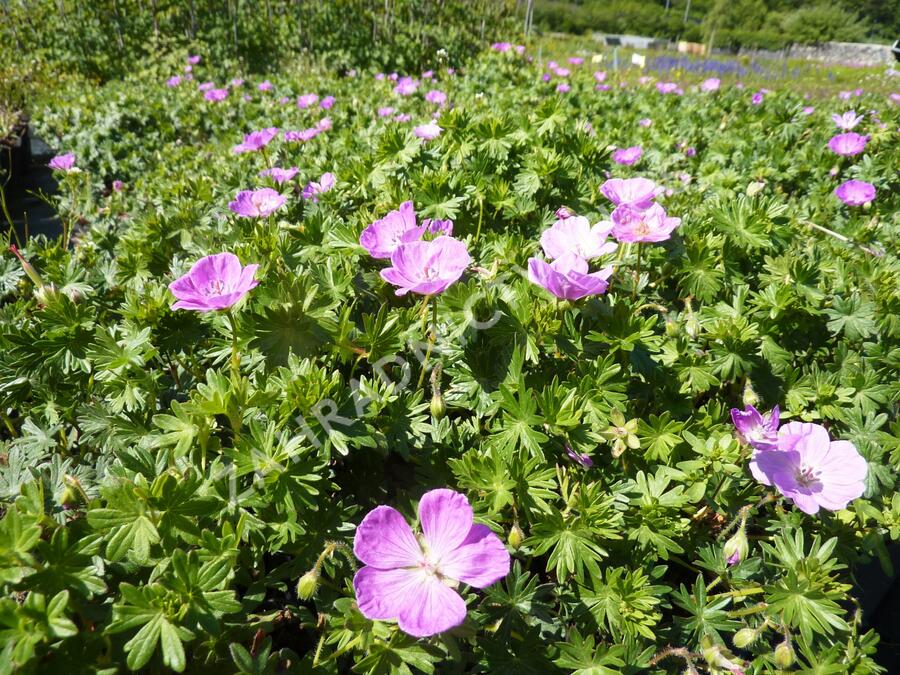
[563, 87]
[280, 175]
[65, 162]
[807, 110]
[173, 81]
[427, 267]
[216, 95]
[501, 46]
[710, 84]
[436, 96]
[402, 117]
[581, 458]
[628, 156]
[256, 140]
[755, 428]
[600, 75]
[567, 277]
[848, 144]
[206, 86]
[257, 203]
[406, 86]
[265, 85]
[303, 135]
[575, 235]
[386, 111]
[650, 224]
[757, 98]
[575, 60]
[810, 469]
[855, 192]
[847, 121]
[668, 88]
[645, 122]
[428, 131]
[327, 103]
[314, 188]
[411, 579]
[307, 100]
[438, 226]
[636, 192]
[324, 124]
[194, 59]
[382, 237]
[214, 282]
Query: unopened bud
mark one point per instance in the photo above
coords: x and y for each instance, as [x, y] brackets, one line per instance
[750, 397]
[308, 584]
[744, 637]
[784, 655]
[564, 212]
[28, 268]
[672, 327]
[737, 547]
[515, 537]
[438, 407]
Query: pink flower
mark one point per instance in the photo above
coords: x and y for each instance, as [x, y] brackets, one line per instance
[810, 469]
[855, 192]
[257, 203]
[602, 87]
[402, 117]
[636, 192]
[406, 86]
[645, 122]
[627, 156]
[237, 82]
[327, 103]
[757, 429]
[438, 226]
[428, 75]
[302, 136]
[280, 175]
[256, 140]
[306, 100]
[844, 95]
[323, 124]
[193, 60]
[576, 60]
[315, 188]
[562, 72]
[214, 282]
[711, 84]
[574, 234]
[64, 162]
[600, 75]
[427, 267]
[847, 121]
[757, 98]
[642, 225]
[807, 110]
[216, 95]
[545, 77]
[567, 277]
[668, 88]
[382, 237]
[265, 85]
[379, 76]
[848, 144]
[284, 100]
[501, 46]
[563, 87]
[387, 111]
[580, 458]
[411, 579]
[173, 81]
[436, 96]
[206, 86]
[118, 186]
[690, 151]
[428, 131]
[895, 98]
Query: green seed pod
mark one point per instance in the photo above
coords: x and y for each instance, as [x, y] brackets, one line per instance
[672, 327]
[308, 584]
[515, 537]
[744, 637]
[750, 397]
[438, 407]
[784, 655]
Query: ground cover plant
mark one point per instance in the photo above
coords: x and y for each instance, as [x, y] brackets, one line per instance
[507, 366]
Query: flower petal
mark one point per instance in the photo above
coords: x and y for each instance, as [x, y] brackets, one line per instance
[480, 561]
[385, 540]
[446, 519]
[432, 609]
[382, 595]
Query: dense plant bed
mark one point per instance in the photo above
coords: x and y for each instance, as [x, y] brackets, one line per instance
[258, 362]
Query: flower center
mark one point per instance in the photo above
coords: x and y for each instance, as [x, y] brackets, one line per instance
[430, 273]
[806, 476]
[216, 287]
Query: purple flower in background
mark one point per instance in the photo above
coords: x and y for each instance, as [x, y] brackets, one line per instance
[895, 98]
[545, 77]
[323, 124]
[642, 225]
[393, 77]
[411, 579]
[668, 88]
[256, 203]
[402, 117]
[600, 75]
[206, 86]
[847, 121]
[428, 131]
[247, 98]
[567, 277]
[428, 75]
[690, 151]
[284, 100]
[807, 110]
[644, 79]
[848, 144]
[562, 72]
[326, 103]
[173, 81]
[810, 469]
[844, 95]
[627, 156]
[237, 82]
[379, 76]
[427, 267]
[436, 96]
[757, 429]
[564, 212]
[118, 186]
[636, 192]
[382, 237]
[645, 122]
[438, 227]
[188, 70]
[306, 100]
[193, 60]
[265, 85]
[710, 84]
[302, 136]
[64, 162]
[501, 46]
[582, 459]
[214, 282]
[855, 192]
[387, 111]
[563, 87]
[406, 86]
[574, 235]
[576, 60]
[216, 95]
[314, 188]
[757, 98]
[256, 140]
[602, 87]
[280, 175]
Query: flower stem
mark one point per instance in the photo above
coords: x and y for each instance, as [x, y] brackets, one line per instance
[432, 338]
[235, 358]
[637, 274]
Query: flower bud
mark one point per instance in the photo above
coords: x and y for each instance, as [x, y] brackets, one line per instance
[784, 655]
[515, 537]
[672, 327]
[438, 407]
[28, 268]
[744, 637]
[750, 397]
[737, 547]
[564, 212]
[309, 582]
[755, 188]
